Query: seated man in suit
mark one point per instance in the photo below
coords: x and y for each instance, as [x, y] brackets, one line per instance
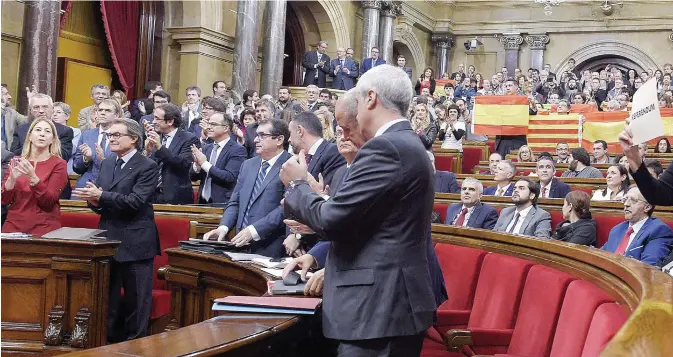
[445, 182]
[343, 70]
[493, 162]
[171, 148]
[550, 186]
[641, 236]
[94, 146]
[525, 218]
[254, 209]
[471, 212]
[503, 176]
[217, 167]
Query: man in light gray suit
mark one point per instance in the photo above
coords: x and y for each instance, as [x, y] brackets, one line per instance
[525, 218]
[378, 298]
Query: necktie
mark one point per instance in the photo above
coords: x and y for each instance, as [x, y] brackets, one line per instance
[164, 139]
[118, 168]
[543, 194]
[104, 145]
[258, 183]
[207, 186]
[516, 220]
[308, 159]
[342, 65]
[4, 134]
[461, 218]
[621, 249]
[499, 192]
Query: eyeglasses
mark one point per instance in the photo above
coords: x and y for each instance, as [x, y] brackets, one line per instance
[213, 124]
[116, 136]
[631, 200]
[263, 136]
[207, 108]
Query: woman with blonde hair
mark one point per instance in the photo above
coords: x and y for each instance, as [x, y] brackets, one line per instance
[525, 154]
[326, 120]
[423, 126]
[33, 182]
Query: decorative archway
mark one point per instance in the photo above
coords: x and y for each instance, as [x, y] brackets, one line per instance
[617, 49]
[404, 37]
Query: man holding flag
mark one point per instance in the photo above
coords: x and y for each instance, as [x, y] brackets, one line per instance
[505, 143]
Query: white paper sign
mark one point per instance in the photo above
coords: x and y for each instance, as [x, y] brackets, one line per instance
[645, 117]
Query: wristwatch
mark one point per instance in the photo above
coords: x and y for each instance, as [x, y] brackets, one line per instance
[293, 184]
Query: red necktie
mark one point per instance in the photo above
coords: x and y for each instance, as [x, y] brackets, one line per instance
[621, 249]
[544, 192]
[308, 159]
[461, 218]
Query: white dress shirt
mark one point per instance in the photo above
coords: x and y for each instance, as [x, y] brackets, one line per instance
[387, 125]
[169, 137]
[207, 165]
[636, 228]
[522, 217]
[127, 157]
[315, 147]
[504, 190]
[467, 215]
[253, 231]
[598, 195]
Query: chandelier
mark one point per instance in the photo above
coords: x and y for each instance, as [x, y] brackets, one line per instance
[548, 5]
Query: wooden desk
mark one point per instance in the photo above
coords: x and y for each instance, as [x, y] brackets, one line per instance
[54, 294]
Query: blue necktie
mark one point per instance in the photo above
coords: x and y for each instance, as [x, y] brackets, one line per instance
[164, 139]
[258, 183]
[207, 186]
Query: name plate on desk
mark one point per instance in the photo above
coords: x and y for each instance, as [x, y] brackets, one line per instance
[74, 233]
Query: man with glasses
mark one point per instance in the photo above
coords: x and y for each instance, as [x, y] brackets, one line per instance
[94, 146]
[159, 98]
[217, 167]
[122, 195]
[171, 148]
[641, 236]
[317, 66]
[254, 209]
[373, 61]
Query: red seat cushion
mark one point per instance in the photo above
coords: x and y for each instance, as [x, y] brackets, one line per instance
[161, 303]
[607, 320]
[171, 231]
[444, 163]
[471, 158]
[556, 218]
[80, 219]
[603, 226]
[579, 304]
[441, 208]
[540, 305]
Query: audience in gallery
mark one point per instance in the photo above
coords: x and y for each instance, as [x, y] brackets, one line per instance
[617, 184]
[580, 165]
[525, 217]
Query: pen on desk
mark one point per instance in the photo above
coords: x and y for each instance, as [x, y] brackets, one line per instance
[631, 250]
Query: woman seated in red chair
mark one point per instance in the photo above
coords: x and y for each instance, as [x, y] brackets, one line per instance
[33, 182]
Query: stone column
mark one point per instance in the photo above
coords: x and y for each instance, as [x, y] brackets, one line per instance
[389, 11]
[274, 46]
[537, 44]
[245, 49]
[41, 21]
[370, 26]
[443, 44]
[511, 42]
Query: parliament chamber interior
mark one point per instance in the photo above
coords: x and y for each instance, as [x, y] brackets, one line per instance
[505, 93]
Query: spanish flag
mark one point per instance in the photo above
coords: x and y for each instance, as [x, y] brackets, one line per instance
[577, 108]
[603, 126]
[667, 119]
[548, 129]
[501, 115]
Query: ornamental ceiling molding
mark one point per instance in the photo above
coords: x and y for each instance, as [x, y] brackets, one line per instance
[337, 18]
[537, 41]
[614, 48]
[421, 19]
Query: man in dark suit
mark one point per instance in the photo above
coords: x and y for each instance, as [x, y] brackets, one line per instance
[211, 106]
[525, 217]
[191, 109]
[150, 89]
[123, 196]
[159, 98]
[503, 176]
[350, 52]
[471, 212]
[378, 289]
[641, 236]
[445, 182]
[217, 167]
[171, 148]
[402, 63]
[550, 186]
[317, 66]
[373, 61]
[343, 70]
[254, 209]
[264, 111]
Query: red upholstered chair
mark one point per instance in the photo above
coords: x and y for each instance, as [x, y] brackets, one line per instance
[556, 218]
[491, 145]
[540, 305]
[80, 219]
[607, 320]
[460, 268]
[444, 163]
[441, 208]
[471, 158]
[581, 301]
[603, 226]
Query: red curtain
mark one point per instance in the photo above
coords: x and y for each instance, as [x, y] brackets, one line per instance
[121, 19]
[66, 5]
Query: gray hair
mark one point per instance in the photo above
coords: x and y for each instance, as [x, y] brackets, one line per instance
[480, 186]
[392, 87]
[267, 97]
[508, 163]
[195, 88]
[41, 96]
[614, 105]
[65, 107]
[351, 104]
[321, 42]
[100, 86]
[133, 129]
[311, 86]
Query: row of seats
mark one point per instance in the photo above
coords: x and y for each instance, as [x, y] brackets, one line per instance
[505, 306]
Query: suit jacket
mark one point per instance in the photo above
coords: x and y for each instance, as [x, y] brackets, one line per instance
[445, 182]
[536, 224]
[84, 118]
[249, 139]
[326, 161]
[177, 161]
[377, 282]
[342, 80]
[483, 216]
[651, 244]
[64, 133]
[408, 71]
[368, 63]
[224, 172]
[88, 171]
[266, 213]
[490, 191]
[12, 120]
[195, 128]
[125, 207]
[185, 118]
[309, 61]
[6, 157]
[558, 188]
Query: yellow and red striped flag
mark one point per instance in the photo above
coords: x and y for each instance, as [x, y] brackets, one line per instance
[603, 126]
[667, 119]
[578, 108]
[501, 115]
[546, 130]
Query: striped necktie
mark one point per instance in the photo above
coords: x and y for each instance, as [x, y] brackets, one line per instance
[258, 183]
[207, 186]
[164, 139]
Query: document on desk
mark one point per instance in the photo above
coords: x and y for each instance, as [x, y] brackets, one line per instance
[74, 233]
[243, 257]
[271, 263]
[268, 304]
[278, 273]
[646, 123]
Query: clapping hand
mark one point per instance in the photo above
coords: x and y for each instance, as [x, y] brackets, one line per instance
[294, 168]
[14, 171]
[89, 193]
[153, 140]
[199, 157]
[319, 186]
[86, 152]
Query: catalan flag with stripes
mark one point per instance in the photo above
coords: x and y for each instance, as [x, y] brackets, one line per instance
[501, 115]
[603, 126]
[548, 129]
